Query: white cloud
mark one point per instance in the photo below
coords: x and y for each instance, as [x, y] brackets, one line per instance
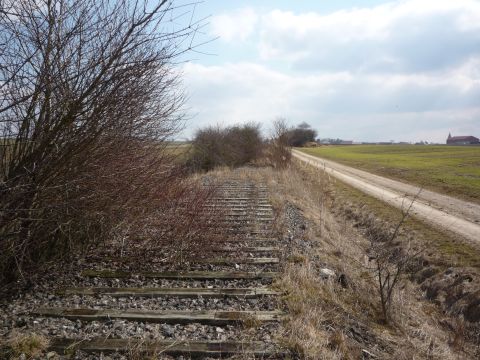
[413, 35]
[238, 25]
[365, 107]
[402, 70]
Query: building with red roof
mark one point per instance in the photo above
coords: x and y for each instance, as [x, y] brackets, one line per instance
[462, 140]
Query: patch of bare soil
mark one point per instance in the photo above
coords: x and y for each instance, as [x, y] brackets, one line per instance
[457, 292]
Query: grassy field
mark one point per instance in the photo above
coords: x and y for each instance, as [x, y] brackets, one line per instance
[452, 170]
[180, 151]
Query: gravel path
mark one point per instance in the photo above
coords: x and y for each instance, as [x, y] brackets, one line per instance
[458, 216]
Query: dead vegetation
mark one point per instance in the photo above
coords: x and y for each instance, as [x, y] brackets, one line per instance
[391, 259]
[447, 269]
[232, 147]
[340, 316]
[30, 346]
[89, 100]
[179, 228]
[243, 145]
[277, 152]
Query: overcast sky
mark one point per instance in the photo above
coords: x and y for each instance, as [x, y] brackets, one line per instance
[358, 70]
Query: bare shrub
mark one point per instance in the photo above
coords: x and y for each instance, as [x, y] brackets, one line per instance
[88, 100]
[209, 148]
[245, 143]
[391, 260]
[390, 256]
[231, 146]
[278, 151]
[179, 228]
[301, 135]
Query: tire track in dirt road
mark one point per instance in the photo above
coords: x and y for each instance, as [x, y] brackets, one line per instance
[455, 215]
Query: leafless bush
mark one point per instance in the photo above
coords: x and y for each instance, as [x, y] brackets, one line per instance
[88, 100]
[391, 260]
[179, 227]
[278, 150]
[301, 135]
[231, 146]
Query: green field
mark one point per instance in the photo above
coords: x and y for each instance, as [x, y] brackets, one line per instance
[452, 170]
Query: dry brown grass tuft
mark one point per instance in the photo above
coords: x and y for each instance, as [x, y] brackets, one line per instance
[30, 345]
[308, 327]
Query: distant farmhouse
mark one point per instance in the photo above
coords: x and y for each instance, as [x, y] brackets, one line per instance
[462, 140]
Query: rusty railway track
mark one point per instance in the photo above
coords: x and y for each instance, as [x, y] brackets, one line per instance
[248, 222]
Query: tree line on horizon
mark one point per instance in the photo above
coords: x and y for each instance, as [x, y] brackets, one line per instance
[237, 145]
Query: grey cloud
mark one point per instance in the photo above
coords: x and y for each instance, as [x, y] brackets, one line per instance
[364, 96]
[360, 107]
[432, 43]
[427, 42]
[431, 126]
[413, 76]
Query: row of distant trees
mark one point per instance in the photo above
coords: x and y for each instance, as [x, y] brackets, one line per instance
[234, 146]
[229, 146]
[300, 135]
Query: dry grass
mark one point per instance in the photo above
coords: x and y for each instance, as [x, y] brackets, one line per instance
[139, 351]
[314, 314]
[332, 319]
[30, 345]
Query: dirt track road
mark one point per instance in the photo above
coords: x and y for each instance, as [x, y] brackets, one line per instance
[460, 217]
